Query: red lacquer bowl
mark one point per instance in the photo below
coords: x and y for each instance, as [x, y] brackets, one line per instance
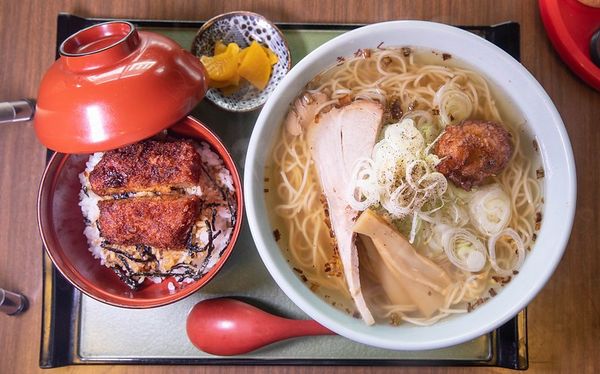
[114, 85]
[61, 226]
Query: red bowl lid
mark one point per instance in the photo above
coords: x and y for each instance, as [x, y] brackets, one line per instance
[570, 26]
[114, 85]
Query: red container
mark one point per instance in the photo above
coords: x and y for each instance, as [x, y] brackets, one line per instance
[570, 26]
[111, 87]
[61, 226]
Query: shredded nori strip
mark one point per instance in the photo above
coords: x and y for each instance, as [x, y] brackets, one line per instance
[146, 257]
[232, 211]
[190, 272]
[210, 245]
[125, 263]
[213, 218]
[224, 193]
[193, 247]
[126, 278]
[126, 275]
[208, 174]
[131, 278]
[145, 250]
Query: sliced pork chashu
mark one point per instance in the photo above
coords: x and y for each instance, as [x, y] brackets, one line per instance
[337, 140]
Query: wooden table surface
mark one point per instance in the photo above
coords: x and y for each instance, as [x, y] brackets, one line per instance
[564, 319]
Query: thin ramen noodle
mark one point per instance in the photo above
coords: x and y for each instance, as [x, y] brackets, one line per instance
[419, 90]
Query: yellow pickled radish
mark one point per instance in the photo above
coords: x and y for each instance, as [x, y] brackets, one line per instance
[272, 55]
[273, 59]
[220, 47]
[229, 62]
[222, 84]
[255, 66]
[222, 69]
[243, 53]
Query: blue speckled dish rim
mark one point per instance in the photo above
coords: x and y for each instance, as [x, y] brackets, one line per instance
[270, 87]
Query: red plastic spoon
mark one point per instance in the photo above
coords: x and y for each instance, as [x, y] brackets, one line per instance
[229, 327]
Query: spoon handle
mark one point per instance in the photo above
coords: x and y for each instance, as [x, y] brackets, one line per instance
[16, 111]
[306, 328]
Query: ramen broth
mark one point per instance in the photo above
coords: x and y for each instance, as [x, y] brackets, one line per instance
[418, 81]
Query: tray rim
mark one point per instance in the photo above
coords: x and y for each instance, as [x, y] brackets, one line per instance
[55, 287]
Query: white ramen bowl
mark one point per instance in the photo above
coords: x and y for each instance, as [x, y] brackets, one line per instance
[541, 119]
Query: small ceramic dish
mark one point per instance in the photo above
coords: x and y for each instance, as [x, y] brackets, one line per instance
[243, 28]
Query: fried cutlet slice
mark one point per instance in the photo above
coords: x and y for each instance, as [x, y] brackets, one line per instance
[164, 222]
[152, 165]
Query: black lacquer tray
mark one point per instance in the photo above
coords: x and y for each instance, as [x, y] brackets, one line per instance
[79, 330]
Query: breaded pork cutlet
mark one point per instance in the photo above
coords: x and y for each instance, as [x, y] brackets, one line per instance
[152, 165]
[163, 222]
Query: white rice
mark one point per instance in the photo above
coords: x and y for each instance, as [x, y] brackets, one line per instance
[171, 287]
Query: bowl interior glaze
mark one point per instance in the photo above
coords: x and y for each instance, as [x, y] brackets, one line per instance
[61, 227]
